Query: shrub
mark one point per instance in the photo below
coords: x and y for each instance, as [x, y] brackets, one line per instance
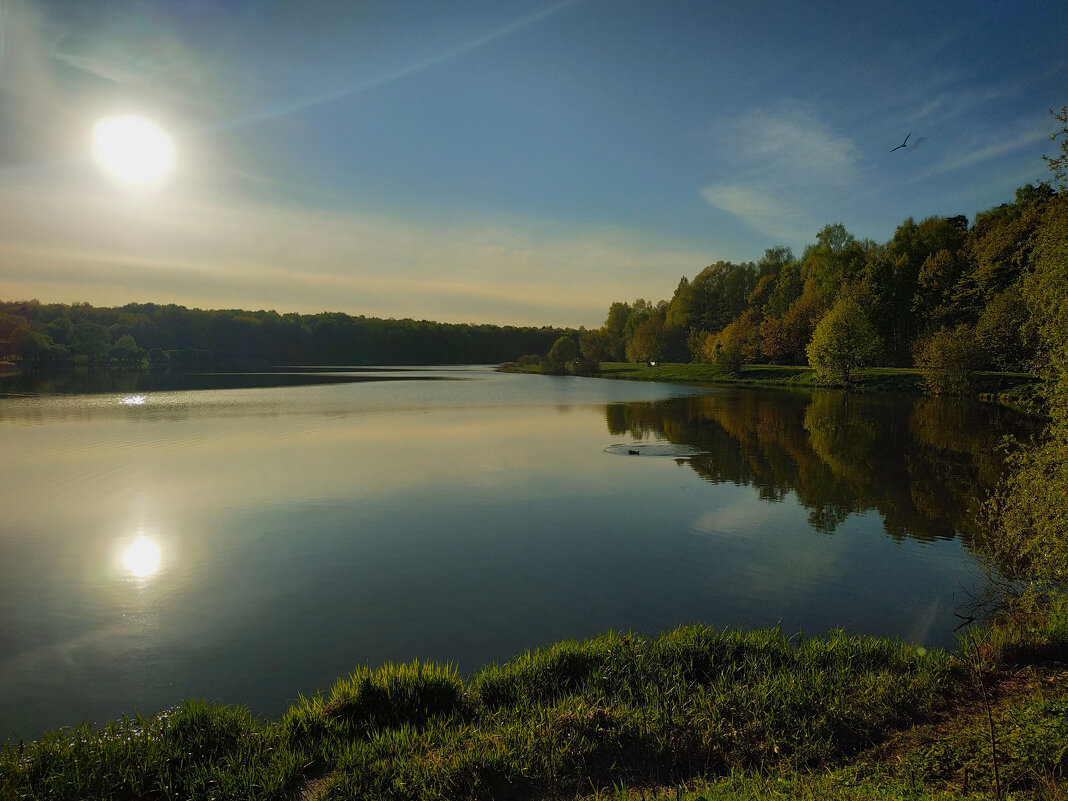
[947, 359]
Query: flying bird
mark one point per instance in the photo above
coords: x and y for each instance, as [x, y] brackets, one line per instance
[903, 143]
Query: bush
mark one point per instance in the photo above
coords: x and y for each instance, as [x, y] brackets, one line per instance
[947, 359]
[584, 366]
[727, 357]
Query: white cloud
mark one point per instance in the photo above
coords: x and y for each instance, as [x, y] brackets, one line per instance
[791, 144]
[760, 208]
[930, 107]
[779, 168]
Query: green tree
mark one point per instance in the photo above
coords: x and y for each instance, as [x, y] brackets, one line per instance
[788, 288]
[843, 340]
[563, 352]
[1058, 165]
[640, 311]
[615, 326]
[901, 293]
[774, 260]
[595, 344]
[1003, 332]
[836, 258]
[784, 339]
[157, 357]
[998, 249]
[647, 342]
[932, 304]
[947, 359]
[718, 294]
[1028, 531]
[126, 352]
[33, 347]
[90, 340]
[61, 330]
[738, 343]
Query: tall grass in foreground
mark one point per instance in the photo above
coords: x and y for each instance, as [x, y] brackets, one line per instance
[571, 719]
[197, 750]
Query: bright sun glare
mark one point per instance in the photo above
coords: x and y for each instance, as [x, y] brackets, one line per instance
[133, 150]
[142, 557]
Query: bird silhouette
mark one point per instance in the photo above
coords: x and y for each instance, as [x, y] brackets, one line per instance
[903, 143]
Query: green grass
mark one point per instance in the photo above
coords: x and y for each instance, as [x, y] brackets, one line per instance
[1016, 389]
[198, 750]
[695, 713]
[710, 374]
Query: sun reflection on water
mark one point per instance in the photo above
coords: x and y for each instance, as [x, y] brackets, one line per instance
[134, 400]
[142, 558]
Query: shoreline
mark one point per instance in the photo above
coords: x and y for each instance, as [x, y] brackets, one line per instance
[1013, 390]
[693, 713]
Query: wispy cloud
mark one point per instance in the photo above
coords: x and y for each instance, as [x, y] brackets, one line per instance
[793, 143]
[777, 161]
[978, 153]
[761, 209]
[118, 43]
[445, 55]
[930, 107]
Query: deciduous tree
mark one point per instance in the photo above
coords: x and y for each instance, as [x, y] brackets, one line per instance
[843, 340]
[563, 352]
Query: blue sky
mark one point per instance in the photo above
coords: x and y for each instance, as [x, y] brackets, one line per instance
[515, 161]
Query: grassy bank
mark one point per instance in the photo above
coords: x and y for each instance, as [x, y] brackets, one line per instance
[1012, 389]
[694, 713]
[870, 379]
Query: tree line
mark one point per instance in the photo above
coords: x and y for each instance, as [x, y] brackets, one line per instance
[48, 334]
[940, 290]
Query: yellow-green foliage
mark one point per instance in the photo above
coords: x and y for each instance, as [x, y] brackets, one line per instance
[947, 359]
[1029, 518]
[843, 340]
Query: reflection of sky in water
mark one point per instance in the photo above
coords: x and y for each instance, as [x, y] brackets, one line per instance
[276, 538]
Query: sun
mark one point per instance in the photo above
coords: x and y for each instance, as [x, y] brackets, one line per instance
[133, 150]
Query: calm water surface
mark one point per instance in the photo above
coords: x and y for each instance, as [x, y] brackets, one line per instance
[245, 545]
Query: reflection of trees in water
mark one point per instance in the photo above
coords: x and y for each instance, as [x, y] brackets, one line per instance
[922, 464]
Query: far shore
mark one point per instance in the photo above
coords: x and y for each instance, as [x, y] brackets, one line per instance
[1012, 389]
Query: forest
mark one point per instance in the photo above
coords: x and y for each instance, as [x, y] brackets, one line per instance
[940, 293]
[41, 335]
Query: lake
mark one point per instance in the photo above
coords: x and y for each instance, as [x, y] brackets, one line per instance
[246, 544]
